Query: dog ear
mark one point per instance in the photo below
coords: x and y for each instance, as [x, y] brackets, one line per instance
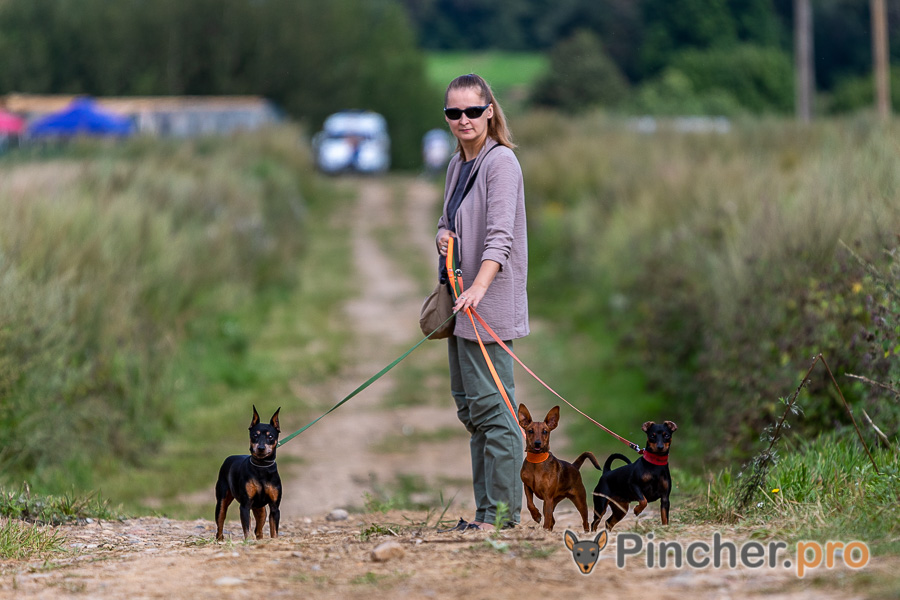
[671, 425]
[552, 418]
[571, 540]
[255, 421]
[524, 417]
[647, 425]
[601, 539]
[274, 421]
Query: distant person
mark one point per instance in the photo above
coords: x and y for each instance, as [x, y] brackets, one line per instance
[488, 225]
[435, 150]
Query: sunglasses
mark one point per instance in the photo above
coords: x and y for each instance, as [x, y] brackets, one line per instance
[472, 112]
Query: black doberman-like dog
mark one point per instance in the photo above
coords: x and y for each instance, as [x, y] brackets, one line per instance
[252, 480]
[645, 480]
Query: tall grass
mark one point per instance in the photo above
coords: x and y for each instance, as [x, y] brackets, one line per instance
[54, 510]
[822, 488]
[716, 259]
[112, 258]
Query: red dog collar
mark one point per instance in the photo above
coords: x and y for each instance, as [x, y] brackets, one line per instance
[534, 457]
[656, 459]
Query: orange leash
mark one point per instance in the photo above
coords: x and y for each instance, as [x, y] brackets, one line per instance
[497, 339]
[455, 276]
[456, 282]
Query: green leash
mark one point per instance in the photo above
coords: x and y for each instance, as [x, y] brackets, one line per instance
[371, 380]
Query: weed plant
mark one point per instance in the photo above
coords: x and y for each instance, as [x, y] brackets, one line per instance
[115, 260]
[54, 510]
[821, 488]
[716, 262]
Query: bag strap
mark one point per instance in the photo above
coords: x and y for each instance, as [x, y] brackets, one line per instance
[454, 266]
[472, 177]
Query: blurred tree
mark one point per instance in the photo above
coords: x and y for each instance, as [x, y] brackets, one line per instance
[581, 76]
[311, 58]
[621, 26]
[761, 79]
[726, 81]
[841, 38]
[758, 22]
[678, 24]
[857, 93]
[503, 24]
[673, 94]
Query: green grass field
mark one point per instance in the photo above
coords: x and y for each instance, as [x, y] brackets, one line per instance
[510, 73]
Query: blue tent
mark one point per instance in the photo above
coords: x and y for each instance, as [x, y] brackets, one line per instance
[81, 117]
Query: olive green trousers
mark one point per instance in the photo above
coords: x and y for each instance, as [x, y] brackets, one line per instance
[496, 445]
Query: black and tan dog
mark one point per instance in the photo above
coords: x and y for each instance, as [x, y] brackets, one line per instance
[547, 477]
[642, 481]
[252, 480]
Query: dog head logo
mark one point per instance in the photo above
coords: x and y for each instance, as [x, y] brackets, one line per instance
[585, 553]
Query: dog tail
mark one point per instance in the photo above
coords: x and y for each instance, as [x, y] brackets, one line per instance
[589, 455]
[608, 464]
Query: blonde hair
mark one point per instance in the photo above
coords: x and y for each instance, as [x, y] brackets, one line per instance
[497, 126]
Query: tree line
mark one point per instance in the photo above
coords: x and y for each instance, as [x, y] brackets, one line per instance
[675, 55]
[310, 58]
[641, 36]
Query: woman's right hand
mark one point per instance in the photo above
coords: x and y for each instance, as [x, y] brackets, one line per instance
[442, 241]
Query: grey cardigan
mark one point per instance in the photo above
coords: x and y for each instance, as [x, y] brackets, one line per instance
[490, 225]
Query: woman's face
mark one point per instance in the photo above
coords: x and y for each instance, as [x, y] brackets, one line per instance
[466, 130]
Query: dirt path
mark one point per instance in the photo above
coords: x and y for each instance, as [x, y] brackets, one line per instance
[384, 319]
[350, 451]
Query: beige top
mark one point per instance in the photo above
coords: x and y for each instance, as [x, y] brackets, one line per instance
[490, 225]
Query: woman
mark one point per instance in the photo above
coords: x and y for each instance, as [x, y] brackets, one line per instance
[488, 226]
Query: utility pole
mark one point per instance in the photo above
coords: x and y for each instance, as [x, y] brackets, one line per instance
[880, 58]
[805, 85]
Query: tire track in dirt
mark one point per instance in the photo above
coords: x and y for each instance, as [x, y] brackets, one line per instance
[347, 450]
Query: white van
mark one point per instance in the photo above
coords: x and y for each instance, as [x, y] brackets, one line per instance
[353, 141]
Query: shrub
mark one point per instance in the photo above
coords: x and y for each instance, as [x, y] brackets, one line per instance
[727, 81]
[673, 94]
[717, 260]
[581, 76]
[858, 93]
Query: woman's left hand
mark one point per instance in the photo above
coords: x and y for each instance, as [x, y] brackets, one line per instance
[470, 297]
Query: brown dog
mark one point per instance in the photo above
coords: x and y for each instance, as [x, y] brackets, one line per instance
[545, 476]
